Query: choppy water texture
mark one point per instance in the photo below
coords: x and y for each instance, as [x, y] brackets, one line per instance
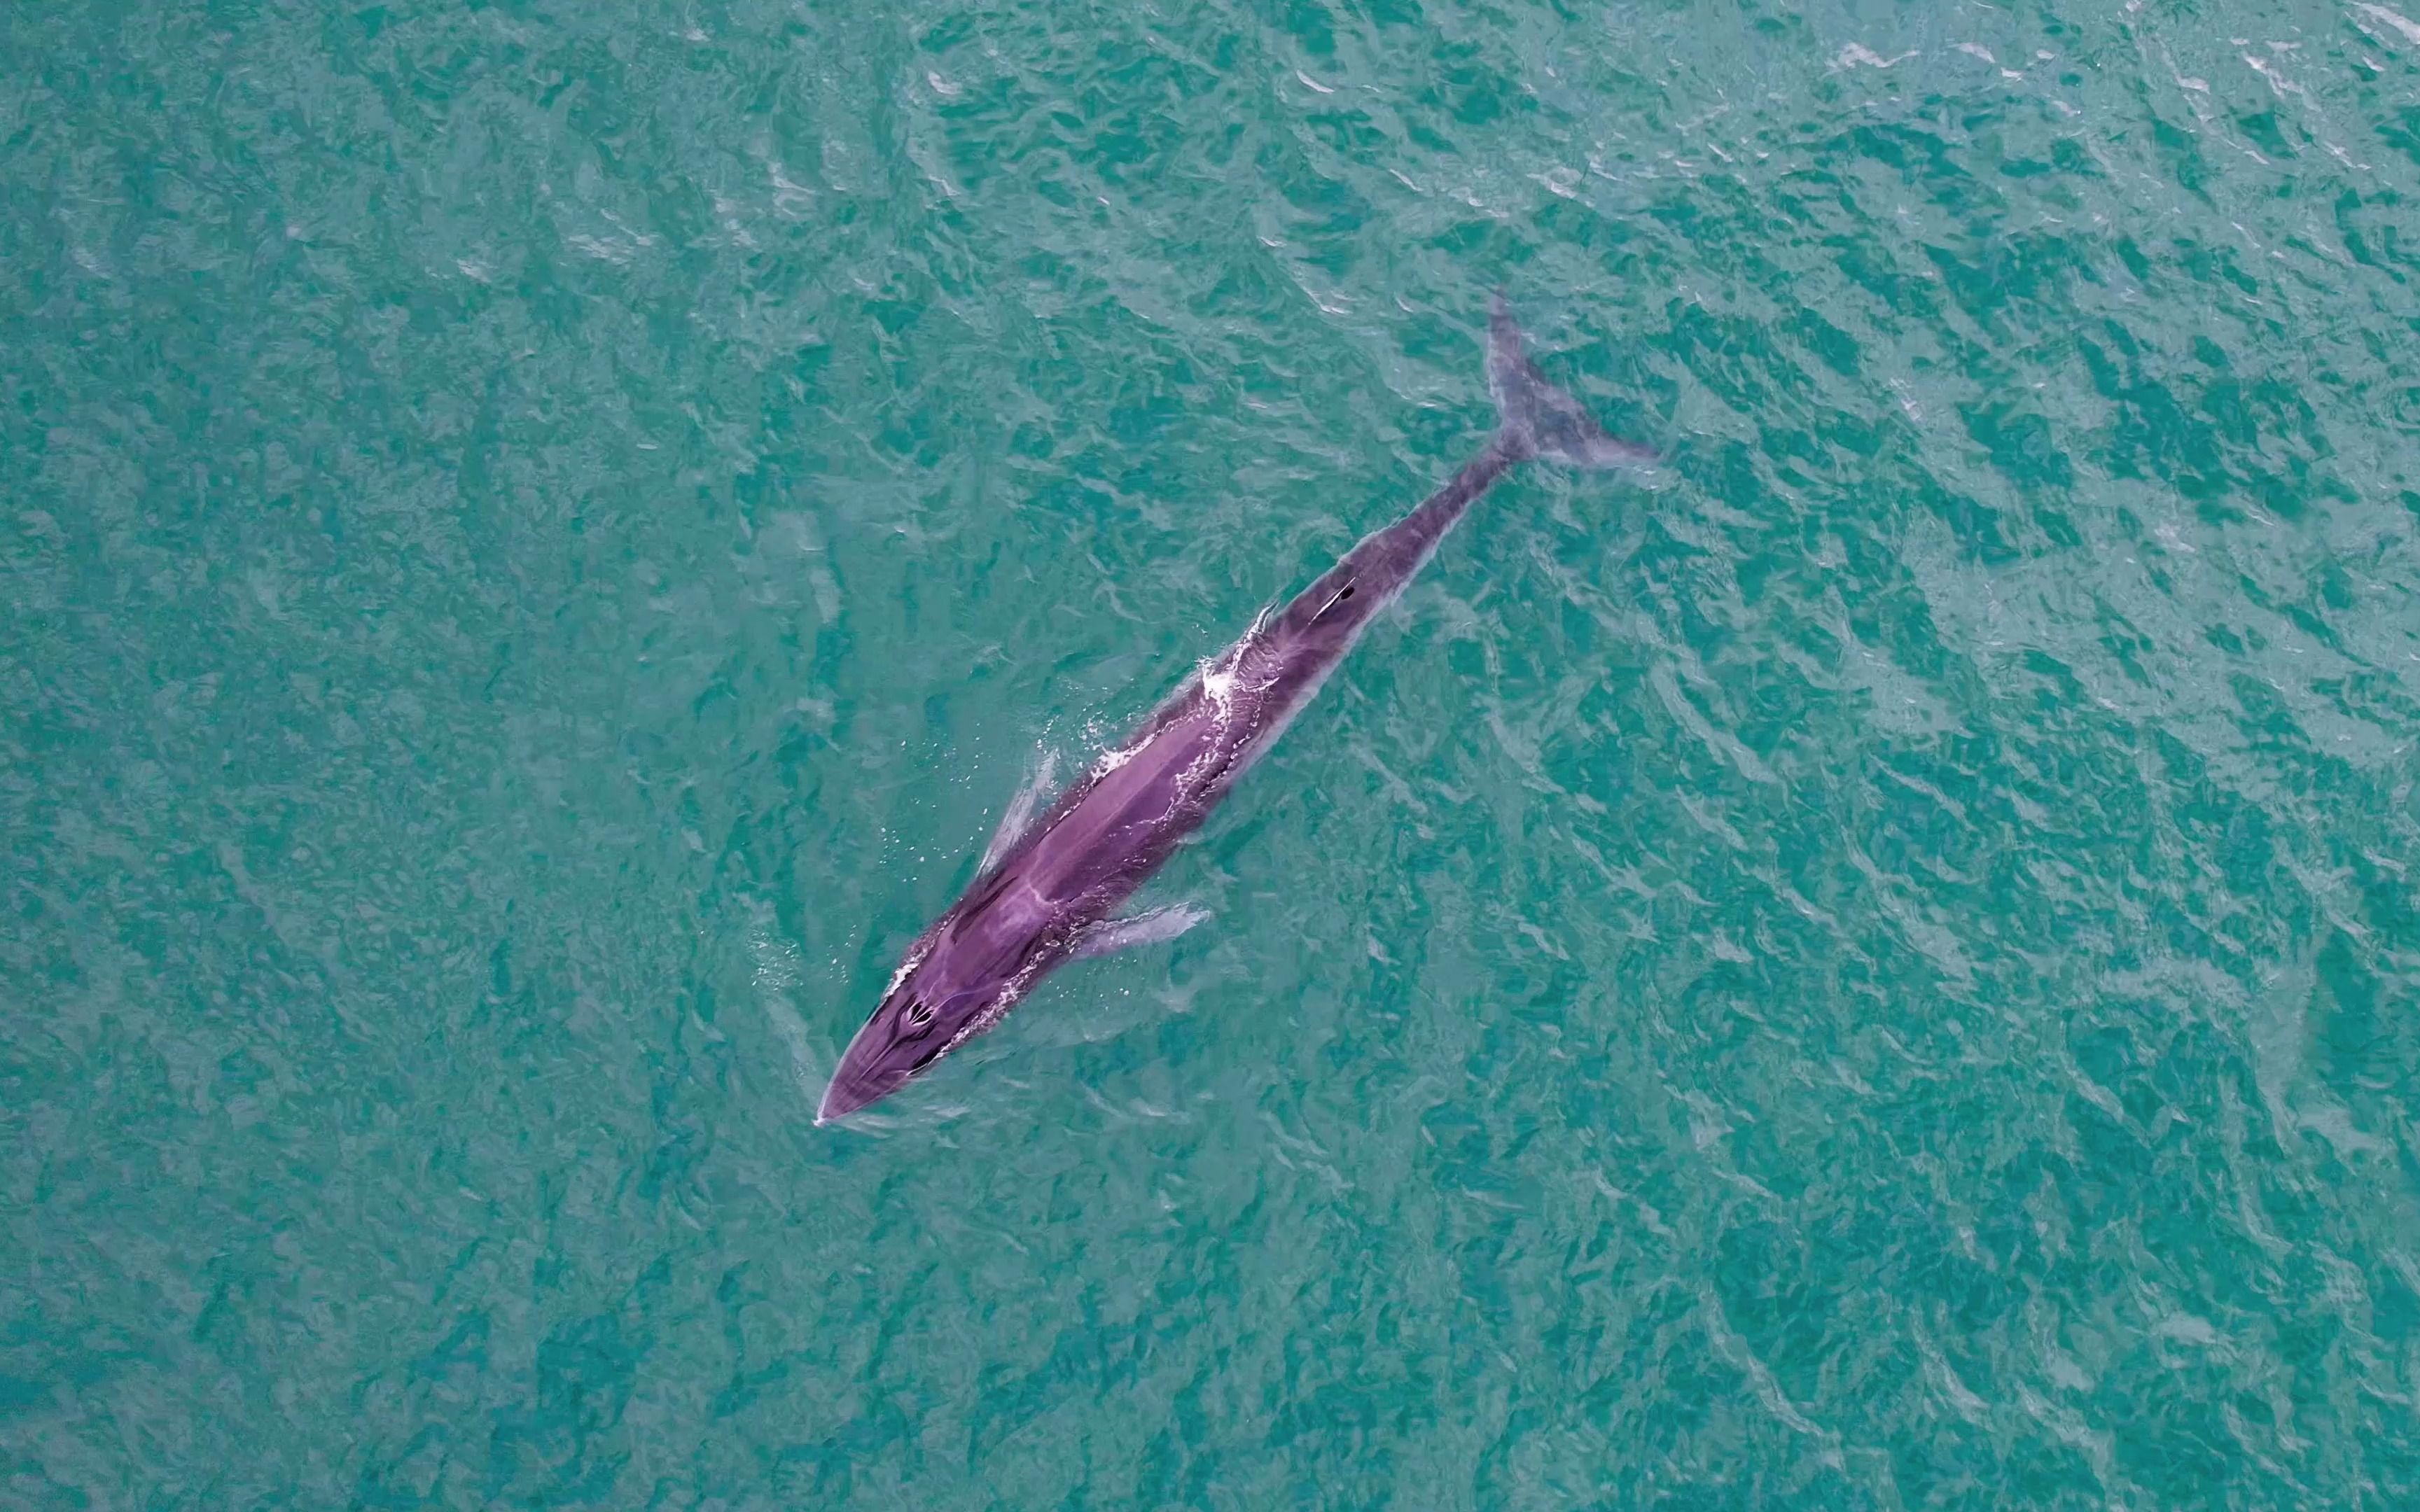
[1872, 968]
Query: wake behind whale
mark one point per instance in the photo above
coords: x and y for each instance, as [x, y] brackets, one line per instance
[1048, 890]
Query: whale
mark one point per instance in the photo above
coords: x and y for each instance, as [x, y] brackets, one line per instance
[1049, 887]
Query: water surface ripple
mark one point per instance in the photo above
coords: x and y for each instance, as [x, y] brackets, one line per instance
[1873, 967]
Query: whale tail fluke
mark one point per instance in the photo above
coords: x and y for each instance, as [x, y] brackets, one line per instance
[1540, 420]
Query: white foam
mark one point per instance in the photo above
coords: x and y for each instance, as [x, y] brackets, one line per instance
[2409, 29]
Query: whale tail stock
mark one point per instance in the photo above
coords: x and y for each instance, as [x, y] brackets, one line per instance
[1539, 420]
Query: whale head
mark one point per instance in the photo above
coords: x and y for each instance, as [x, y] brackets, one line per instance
[953, 985]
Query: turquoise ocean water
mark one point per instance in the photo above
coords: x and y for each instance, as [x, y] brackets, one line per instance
[1872, 967]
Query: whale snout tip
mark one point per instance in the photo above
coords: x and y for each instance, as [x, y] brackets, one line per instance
[846, 1095]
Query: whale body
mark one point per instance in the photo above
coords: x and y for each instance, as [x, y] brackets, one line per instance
[1049, 890]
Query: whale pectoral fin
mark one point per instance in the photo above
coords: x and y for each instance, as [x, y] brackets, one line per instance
[1113, 934]
[1019, 813]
